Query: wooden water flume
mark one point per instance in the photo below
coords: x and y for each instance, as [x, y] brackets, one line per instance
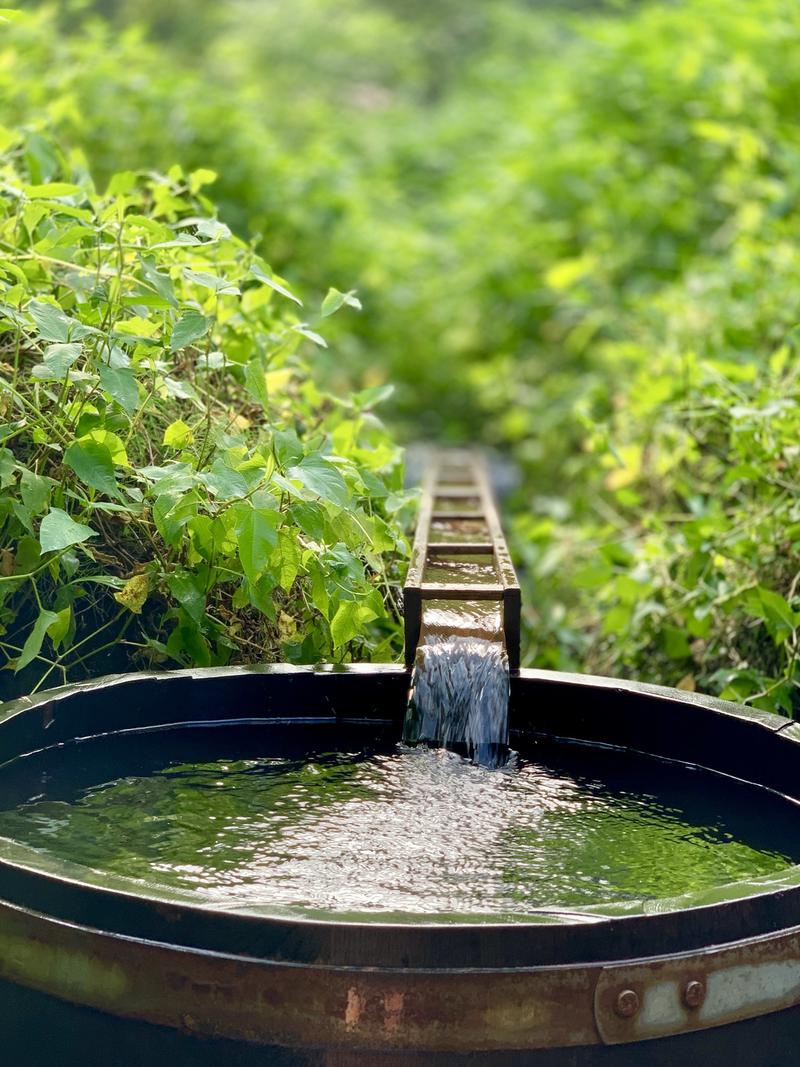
[461, 581]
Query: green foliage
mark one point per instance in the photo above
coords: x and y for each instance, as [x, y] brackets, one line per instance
[686, 569]
[669, 549]
[574, 233]
[174, 487]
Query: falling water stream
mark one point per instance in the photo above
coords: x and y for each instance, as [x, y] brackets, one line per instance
[459, 698]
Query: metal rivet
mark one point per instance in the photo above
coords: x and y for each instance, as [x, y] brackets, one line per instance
[694, 994]
[627, 1003]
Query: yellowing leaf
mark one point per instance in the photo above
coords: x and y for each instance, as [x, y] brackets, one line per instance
[277, 380]
[134, 593]
[178, 434]
[567, 271]
[628, 471]
[287, 627]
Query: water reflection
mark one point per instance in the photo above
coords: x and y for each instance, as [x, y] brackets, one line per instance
[418, 832]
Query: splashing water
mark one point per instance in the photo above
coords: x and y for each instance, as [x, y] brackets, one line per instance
[327, 834]
[459, 698]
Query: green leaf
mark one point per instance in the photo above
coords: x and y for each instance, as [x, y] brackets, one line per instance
[120, 383]
[370, 398]
[52, 323]
[93, 464]
[52, 189]
[190, 327]
[775, 611]
[28, 555]
[287, 446]
[57, 361]
[178, 434]
[33, 645]
[171, 512]
[349, 620]
[189, 590]
[223, 481]
[35, 490]
[321, 477]
[349, 571]
[22, 515]
[257, 534]
[617, 620]
[58, 630]
[334, 300]
[592, 576]
[287, 557]
[187, 644]
[10, 429]
[213, 229]
[41, 156]
[311, 518]
[59, 531]
[101, 579]
[124, 181]
[259, 594]
[211, 281]
[255, 381]
[306, 331]
[159, 281]
[181, 390]
[675, 642]
[319, 590]
[274, 282]
[7, 468]
[200, 177]
[112, 442]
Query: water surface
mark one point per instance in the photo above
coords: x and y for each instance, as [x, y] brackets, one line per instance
[416, 832]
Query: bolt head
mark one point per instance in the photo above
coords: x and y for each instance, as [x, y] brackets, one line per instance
[694, 994]
[627, 1003]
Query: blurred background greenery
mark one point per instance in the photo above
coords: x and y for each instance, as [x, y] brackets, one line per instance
[573, 228]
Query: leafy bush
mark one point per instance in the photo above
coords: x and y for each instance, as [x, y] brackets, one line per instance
[685, 570]
[575, 235]
[175, 488]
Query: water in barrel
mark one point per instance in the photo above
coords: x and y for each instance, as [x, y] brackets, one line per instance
[236, 819]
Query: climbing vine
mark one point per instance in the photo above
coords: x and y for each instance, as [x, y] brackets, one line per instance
[175, 488]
